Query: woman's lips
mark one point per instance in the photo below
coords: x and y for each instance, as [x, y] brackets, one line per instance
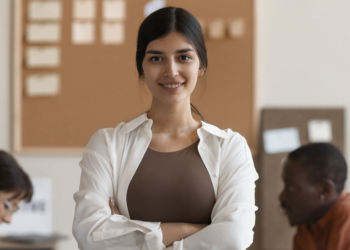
[172, 87]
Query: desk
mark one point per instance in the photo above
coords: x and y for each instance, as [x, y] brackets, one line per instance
[25, 246]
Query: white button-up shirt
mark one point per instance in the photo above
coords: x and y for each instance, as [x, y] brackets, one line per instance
[109, 162]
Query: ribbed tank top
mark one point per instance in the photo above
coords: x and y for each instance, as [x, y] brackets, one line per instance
[171, 187]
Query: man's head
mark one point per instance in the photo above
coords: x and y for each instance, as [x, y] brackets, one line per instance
[313, 176]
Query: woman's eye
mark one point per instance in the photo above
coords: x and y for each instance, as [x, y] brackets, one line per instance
[156, 59]
[185, 58]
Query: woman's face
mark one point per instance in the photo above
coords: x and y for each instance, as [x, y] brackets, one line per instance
[171, 68]
[5, 214]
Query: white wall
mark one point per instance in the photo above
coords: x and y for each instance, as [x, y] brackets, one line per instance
[62, 170]
[302, 59]
[303, 55]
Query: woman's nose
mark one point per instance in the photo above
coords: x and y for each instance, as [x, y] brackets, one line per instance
[171, 69]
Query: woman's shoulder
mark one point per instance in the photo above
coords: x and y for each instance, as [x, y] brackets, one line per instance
[112, 136]
[225, 135]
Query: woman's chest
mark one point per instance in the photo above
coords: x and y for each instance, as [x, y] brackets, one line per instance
[171, 187]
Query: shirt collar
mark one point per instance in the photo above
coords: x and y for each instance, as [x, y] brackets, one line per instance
[135, 123]
[329, 216]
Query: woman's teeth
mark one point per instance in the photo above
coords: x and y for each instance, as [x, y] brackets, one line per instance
[172, 86]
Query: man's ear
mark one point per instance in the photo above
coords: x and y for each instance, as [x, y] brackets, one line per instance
[328, 190]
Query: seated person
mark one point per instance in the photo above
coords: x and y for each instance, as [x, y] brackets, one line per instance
[15, 186]
[313, 197]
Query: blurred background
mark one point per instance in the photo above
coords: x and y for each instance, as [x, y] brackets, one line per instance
[289, 55]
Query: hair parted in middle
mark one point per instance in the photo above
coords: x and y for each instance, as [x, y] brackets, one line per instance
[164, 21]
[161, 23]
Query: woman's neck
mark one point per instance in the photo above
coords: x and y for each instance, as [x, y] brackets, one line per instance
[172, 119]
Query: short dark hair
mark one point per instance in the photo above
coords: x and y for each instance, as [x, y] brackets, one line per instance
[322, 161]
[164, 21]
[13, 178]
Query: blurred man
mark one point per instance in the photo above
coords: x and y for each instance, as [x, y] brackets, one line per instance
[314, 200]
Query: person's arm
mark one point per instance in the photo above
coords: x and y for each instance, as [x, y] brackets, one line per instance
[94, 227]
[339, 231]
[233, 215]
[171, 231]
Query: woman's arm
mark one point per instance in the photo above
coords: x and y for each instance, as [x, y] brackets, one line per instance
[94, 227]
[233, 215]
[177, 231]
[171, 231]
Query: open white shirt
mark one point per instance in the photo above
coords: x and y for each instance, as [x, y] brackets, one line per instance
[109, 162]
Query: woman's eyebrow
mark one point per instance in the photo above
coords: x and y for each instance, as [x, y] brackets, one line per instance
[154, 52]
[157, 52]
[184, 50]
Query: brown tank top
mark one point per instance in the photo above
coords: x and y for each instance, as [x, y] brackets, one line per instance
[171, 187]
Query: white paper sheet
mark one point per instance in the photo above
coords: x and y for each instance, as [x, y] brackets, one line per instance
[34, 217]
[281, 140]
[320, 130]
[43, 33]
[236, 28]
[112, 33]
[114, 9]
[43, 57]
[216, 28]
[153, 6]
[83, 32]
[42, 85]
[45, 10]
[84, 9]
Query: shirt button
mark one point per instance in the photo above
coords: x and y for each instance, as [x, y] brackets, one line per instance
[203, 148]
[215, 176]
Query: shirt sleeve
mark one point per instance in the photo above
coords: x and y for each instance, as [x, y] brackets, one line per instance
[233, 215]
[94, 227]
[339, 231]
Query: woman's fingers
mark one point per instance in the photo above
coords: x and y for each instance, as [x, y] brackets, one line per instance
[113, 207]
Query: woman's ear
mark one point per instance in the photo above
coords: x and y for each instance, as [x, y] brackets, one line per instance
[201, 72]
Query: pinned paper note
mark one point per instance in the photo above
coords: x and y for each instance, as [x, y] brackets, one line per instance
[42, 57]
[320, 130]
[83, 32]
[112, 33]
[114, 9]
[84, 9]
[153, 6]
[34, 217]
[216, 29]
[202, 24]
[281, 140]
[236, 28]
[45, 10]
[42, 85]
[43, 33]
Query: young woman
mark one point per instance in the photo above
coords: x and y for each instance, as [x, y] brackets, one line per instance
[15, 186]
[177, 182]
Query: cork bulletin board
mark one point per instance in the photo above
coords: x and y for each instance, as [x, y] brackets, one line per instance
[98, 82]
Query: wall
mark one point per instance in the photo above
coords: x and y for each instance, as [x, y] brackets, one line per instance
[302, 59]
[63, 170]
[303, 55]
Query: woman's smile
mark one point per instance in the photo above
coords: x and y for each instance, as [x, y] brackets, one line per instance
[172, 86]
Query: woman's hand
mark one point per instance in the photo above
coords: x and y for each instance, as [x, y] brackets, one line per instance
[171, 231]
[113, 207]
[177, 231]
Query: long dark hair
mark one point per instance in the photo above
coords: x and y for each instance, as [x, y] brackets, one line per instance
[165, 21]
[13, 178]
